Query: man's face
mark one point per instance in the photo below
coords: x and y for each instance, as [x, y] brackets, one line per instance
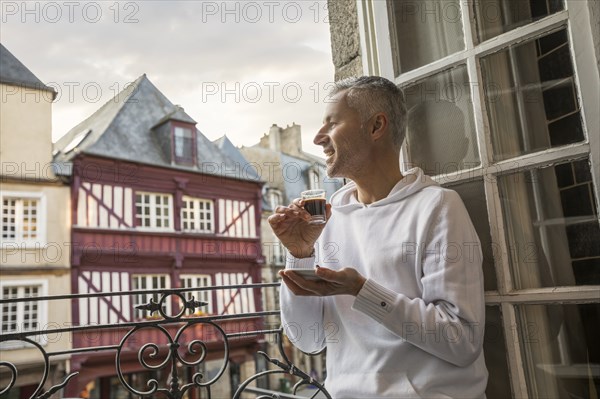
[343, 138]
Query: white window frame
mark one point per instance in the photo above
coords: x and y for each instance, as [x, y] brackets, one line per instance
[278, 253]
[314, 178]
[42, 311]
[142, 299]
[275, 198]
[201, 296]
[40, 241]
[196, 218]
[377, 59]
[153, 216]
[181, 131]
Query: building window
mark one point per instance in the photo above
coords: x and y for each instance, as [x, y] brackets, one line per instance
[20, 317]
[278, 253]
[198, 281]
[184, 145]
[22, 218]
[314, 180]
[153, 211]
[197, 215]
[275, 198]
[503, 99]
[150, 282]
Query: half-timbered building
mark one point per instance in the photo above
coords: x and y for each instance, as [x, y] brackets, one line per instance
[34, 238]
[155, 205]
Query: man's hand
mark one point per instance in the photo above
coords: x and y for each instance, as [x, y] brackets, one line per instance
[346, 281]
[291, 225]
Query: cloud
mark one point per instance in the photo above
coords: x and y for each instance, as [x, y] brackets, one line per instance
[182, 46]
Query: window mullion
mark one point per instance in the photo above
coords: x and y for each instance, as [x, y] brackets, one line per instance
[514, 354]
[541, 158]
[171, 210]
[197, 215]
[152, 204]
[476, 79]
[467, 17]
[547, 295]
[382, 36]
[20, 319]
[484, 141]
[501, 255]
[523, 33]
[19, 220]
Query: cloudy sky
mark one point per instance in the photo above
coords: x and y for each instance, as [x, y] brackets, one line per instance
[236, 67]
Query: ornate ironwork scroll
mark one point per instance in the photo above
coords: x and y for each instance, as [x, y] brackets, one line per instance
[286, 367]
[172, 351]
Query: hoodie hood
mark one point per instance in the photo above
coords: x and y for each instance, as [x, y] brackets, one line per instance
[414, 180]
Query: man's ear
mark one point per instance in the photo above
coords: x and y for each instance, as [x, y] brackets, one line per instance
[379, 126]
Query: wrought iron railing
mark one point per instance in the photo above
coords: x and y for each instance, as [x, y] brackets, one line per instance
[183, 343]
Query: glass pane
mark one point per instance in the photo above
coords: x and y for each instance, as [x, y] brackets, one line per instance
[552, 228]
[531, 97]
[473, 195]
[560, 349]
[441, 134]
[494, 348]
[424, 31]
[494, 17]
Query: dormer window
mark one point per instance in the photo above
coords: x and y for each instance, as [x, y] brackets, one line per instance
[184, 145]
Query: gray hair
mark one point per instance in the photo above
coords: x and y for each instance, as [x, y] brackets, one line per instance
[369, 95]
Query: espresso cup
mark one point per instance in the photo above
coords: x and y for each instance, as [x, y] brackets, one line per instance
[314, 203]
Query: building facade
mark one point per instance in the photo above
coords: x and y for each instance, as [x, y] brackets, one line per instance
[155, 205]
[503, 101]
[34, 225]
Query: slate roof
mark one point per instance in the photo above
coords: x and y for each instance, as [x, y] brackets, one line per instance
[13, 72]
[122, 129]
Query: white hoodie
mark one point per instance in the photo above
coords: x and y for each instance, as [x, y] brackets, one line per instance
[415, 330]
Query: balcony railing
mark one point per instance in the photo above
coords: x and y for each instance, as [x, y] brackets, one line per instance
[170, 343]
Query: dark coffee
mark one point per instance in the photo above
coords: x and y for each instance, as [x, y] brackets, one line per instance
[315, 206]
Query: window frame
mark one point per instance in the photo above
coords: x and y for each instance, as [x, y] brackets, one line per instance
[182, 160]
[203, 296]
[42, 311]
[153, 217]
[197, 200]
[148, 278]
[41, 239]
[377, 59]
[275, 198]
[314, 178]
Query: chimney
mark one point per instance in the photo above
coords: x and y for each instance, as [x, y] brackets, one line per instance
[274, 138]
[291, 140]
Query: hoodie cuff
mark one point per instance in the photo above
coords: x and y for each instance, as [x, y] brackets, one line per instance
[291, 262]
[374, 300]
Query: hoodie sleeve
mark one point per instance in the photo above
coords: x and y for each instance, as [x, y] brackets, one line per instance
[299, 314]
[448, 320]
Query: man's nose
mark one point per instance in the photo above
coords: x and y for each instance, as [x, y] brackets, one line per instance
[320, 137]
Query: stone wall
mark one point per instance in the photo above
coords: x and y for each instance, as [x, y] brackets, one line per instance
[345, 40]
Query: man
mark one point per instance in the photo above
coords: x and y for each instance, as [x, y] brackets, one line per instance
[400, 305]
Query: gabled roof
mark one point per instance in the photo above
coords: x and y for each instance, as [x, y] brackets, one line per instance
[227, 147]
[122, 129]
[13, 72]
